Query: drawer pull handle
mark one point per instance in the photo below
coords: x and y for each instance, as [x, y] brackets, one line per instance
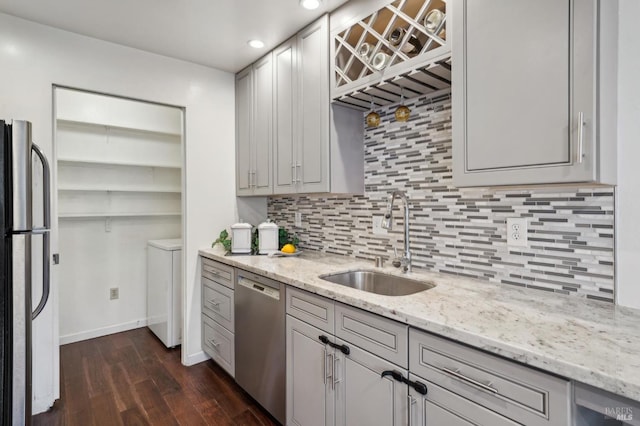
[214, 302]
[457, 375]
[342, 348]
[421, 388]
[214, 344]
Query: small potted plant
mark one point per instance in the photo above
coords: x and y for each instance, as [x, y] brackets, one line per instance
[223, 243]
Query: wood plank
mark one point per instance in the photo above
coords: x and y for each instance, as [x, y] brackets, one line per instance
[156, 408]
[134, 417]
[246, 418]
[161, 377]
[132, 379]
[104, 410]
[213, 414]
[125, 396]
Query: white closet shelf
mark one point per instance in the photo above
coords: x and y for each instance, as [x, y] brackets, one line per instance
[170, 190]
[117, 163]
[105, 215]
[107, 125]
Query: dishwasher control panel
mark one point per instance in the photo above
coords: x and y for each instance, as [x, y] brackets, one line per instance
[260, 288]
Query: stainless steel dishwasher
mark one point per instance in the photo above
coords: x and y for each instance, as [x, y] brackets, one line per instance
[260, 340]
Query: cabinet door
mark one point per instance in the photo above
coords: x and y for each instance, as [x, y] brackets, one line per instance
[363, 397]
[526, 75]
[244, 126]
[313, 107]
[442, 407]
[262, 125]
[310, 401]
[284, 103]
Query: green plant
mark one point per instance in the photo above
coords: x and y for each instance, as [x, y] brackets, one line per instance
[255, 241]
[224, 240]
[285, 238]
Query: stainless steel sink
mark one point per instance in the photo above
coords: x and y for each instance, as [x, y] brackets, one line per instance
[378, 282]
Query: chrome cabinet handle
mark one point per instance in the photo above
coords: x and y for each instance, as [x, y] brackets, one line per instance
[468, 380]
[324, 366]
[214, 302]
[249, 178]
[293, 173]
[336, 379]
[214, 344]
[255, 178]
[298, 174]
[412, 401]
[327, 374]
[581, 125]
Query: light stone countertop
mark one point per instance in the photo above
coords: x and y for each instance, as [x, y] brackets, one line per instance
[592, 342]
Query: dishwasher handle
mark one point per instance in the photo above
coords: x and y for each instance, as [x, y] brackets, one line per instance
[261, 288]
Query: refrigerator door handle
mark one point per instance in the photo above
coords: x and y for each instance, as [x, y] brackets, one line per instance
[46, 238]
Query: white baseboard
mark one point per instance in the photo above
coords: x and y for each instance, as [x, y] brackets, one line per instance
[195, 358]
[104, 331]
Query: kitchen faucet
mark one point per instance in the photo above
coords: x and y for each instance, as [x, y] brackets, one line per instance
[387, 223]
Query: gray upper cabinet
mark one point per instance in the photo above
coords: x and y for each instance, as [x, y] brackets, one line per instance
[527, 84]
[254, 98]
[313, 108]
[317, 147]
[289, 138]
[284, 129]
[244, 114]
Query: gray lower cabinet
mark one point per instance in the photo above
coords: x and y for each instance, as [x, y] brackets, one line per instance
[331, 381]
[217, 303]
[485, 389]
[534, 99]
[310, 399]
[363, 396]
[443, 407]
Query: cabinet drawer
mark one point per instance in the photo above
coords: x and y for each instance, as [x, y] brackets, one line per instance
[312, 309]
[381, 336]
[217, 303]
[441, 407]
[515, 391]
[218, 343]
[218, 272]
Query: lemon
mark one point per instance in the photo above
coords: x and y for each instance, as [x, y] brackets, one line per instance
[288, 248]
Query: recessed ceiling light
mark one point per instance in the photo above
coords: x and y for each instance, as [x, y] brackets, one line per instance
[310, 4]
[256, 44]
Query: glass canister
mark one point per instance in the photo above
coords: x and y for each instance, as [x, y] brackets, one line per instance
[241, 238]
[267, 237]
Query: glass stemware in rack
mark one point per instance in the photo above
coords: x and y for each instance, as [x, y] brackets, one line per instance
[365, 48]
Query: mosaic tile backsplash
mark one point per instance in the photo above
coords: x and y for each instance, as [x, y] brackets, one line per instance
[460, 231]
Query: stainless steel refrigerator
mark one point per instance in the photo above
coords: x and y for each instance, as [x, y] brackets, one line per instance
[19, 157]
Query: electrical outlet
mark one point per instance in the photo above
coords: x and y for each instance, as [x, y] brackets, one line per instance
[377, 226]
[114, 293]
[298, 219]
[517, 232]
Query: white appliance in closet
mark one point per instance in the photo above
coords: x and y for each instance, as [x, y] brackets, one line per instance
[164, 290]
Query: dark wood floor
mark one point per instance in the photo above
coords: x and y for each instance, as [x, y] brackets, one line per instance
[130, 378]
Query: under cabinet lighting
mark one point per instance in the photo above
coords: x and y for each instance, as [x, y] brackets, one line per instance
[256, 44]
[310, 4]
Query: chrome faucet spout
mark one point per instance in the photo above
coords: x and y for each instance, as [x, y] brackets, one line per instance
[387, 223]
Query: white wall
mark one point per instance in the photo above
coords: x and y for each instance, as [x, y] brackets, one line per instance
[628, 195]
[34, 57]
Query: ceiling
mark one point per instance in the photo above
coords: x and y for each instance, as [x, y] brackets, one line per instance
[207, 32]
